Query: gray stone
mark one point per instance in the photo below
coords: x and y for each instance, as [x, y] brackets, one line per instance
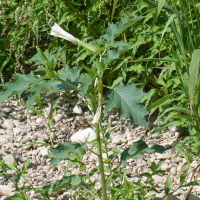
[80, 120]
[172, 197]
[9, 159]
[9, 124]
[193, 197]
[7, 110]
[116, 141]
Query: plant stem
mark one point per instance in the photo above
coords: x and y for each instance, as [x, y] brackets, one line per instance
[103, 180]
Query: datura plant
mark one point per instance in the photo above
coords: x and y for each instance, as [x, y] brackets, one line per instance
[105, 54]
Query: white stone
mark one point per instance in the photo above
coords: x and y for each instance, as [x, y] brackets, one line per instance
[9, 159]
[7, 191]
[159, 179]
[2, 131]
[47, 112]
[164, 156]
[151, 142]
[17, 130]
[173, 170]
[9, 124]
[77, 109]
[44, 152]
[39, 120]
[165, 167]
[82, 135]
[194, 164]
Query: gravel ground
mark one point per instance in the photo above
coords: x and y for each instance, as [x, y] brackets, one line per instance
[19, 127]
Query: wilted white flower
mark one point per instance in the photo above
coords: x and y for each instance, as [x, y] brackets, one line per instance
[57, 31]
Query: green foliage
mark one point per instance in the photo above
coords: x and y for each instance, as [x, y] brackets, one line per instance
[148, 45]
[62, 151]
[138, 148]
[127, 105]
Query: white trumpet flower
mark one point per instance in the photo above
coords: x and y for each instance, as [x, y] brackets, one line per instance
[57, 31]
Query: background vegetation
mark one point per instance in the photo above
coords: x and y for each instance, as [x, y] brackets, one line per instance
[156, 48]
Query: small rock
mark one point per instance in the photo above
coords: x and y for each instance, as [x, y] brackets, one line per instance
[193, 197]
[29, 113]
[172, 197]
[9, 159]
[194, 164]
[58, 117]
[159, 179]
[116, 141]
[177, 129]
[77, 109]
[80, 120]
[53, 136]
[44, 152]
[164, 156]
[9, 124]
[165, 167]
[47, 112]
[82, 135]
[17, 130]
[7, 110]
[24, 140]
[173, 170]
[2, 131]
[151, 141]
[7, 191]
[39, 120]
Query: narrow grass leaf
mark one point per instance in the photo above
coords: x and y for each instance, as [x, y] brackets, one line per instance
[168, 23]
[193, 72]
[158, 9]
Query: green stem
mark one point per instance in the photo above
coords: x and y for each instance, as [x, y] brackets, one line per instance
[69, 84]
[103, 180]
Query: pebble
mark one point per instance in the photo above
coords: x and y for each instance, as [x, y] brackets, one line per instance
[7, 110]
[82, 135]
[33, 129]
[77, 109]
[39, 120]
[9, 124]
[116, 141]
[173, 170]
[9, 159]
[7, 191]
[80, 120]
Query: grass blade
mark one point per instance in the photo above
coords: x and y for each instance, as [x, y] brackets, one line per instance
[193, 72]
[158, 9]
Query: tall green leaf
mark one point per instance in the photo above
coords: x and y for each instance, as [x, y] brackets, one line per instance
[158, 9]
[193, 72]
[168, 184]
